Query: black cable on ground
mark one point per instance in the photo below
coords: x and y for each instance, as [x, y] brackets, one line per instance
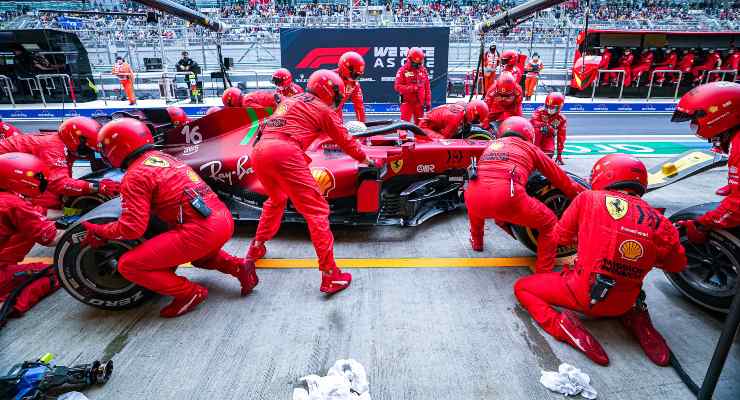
[685, 378]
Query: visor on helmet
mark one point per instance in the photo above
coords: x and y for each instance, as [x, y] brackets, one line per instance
[43, 183]
[552, 110]
[277, 81]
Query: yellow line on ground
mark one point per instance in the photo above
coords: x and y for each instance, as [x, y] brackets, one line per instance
[288, 263]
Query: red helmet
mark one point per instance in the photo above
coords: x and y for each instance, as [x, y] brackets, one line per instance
[282, 77]
[351, 65]
[505, 84]
[177, 116]
[619, 171]
[416, 56]
[517, 126]
[509, 57]
[121, 139]
[476, 112]
[213, 110]
[7, 130]
[713, 109]
[80, 135]
[22, 173]
[554, 102]
[232, 97]
[327, 86]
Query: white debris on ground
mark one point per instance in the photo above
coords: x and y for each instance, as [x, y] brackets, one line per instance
[346, 380]
[568, 380]
[72, 396]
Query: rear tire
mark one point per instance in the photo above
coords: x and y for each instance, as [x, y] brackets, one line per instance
[711, 276]
[556, 201]
[91, 275]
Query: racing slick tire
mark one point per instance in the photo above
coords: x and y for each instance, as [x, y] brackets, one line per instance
[91, 275]
[711, 275]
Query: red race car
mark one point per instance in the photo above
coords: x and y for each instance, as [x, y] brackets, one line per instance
[415, 179]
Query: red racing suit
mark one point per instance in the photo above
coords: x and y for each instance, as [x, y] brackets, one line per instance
[619, 236]
[644, 64]
[606, 59]
[6, 130]
[282, 166]
[159, 185]
[51, 150]
[713, 61]
[290, 90]
[446, 121]
[22, 224]
[625, 64]
[667, 64]
[499, 108]
[732, 62]
[546, 127]
[260, 98]
[516, 72]
[500, 193]
[352, 91]
[685, 64]
[412, 84]
[489, 69]
[727, 214]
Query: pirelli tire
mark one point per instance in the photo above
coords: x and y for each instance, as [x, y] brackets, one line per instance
[711, 275]
[91, 275]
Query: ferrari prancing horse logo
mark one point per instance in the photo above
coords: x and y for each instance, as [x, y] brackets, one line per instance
[396, 165]
[616, 207]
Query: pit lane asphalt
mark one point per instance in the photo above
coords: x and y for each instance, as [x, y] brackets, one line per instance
[578, 124]
[431, 333]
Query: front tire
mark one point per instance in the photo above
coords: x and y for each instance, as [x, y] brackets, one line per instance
[711, 275]
[556, 201]
[91, 275]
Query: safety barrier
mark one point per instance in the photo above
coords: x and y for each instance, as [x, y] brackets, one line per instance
[724, 73]
[49, 79]
[665, 71]
[620, 76]
[7, 87]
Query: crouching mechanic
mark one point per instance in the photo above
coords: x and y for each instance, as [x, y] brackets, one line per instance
[620, 239]
[75, 139]
[233, 97]
[157, 184]
[454, 120]
[549, 122]
[22, 224]
[281, 164]
[503, 170]
[7, 130]
[714, 112]
[283, 81]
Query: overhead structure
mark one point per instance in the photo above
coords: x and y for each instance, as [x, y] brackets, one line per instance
[190, 15]
[516, 15]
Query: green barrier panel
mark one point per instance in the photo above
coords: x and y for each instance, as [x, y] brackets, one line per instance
[637, 148]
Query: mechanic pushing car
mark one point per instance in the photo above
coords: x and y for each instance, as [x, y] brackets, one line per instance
[714, 112]
[157, 184]
[504, 99]
[454, 120]
[283, 80]
[22, 224]
[350, 68]
[412, 84]
[549, 123]
[177, 116]
[233, 97]
[282, 166]
[503, 170]
[620, 239]
[7, 130]
[75, 139]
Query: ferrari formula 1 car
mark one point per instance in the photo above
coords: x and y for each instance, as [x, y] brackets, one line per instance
[416, 178]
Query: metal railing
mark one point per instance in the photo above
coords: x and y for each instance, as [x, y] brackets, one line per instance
[620, 76]
[665, 71]
[66, 82]
[724, 73]
[7, 86]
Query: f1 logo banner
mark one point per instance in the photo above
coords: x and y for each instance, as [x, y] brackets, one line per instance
[303, 51]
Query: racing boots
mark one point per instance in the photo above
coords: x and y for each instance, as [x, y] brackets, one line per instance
[335, 281]
[183, 305]
[637, 321]
[476, 243]
[247, 275]
[241, 269]
[576, 335]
